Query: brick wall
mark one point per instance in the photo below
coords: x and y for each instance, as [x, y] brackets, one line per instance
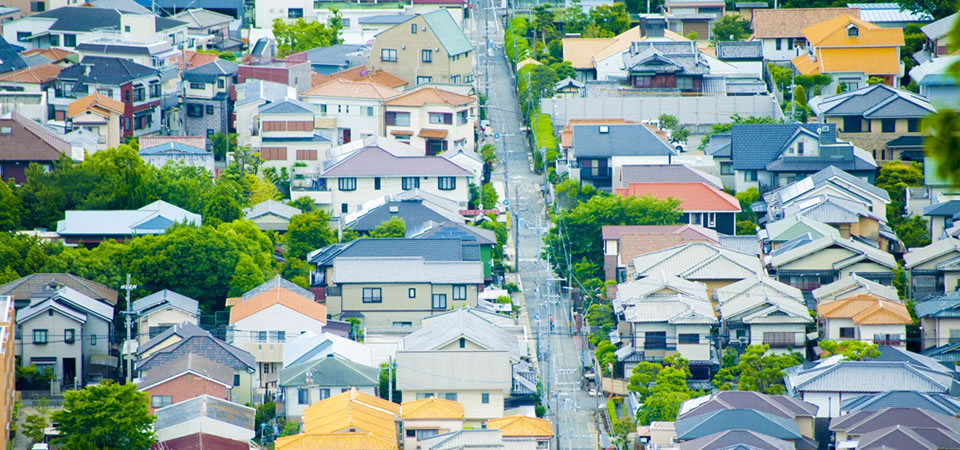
[188, 386]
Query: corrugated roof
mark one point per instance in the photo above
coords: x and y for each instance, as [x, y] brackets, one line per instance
[789, 22]
[432, 408]
[889, 13]
[430, 96]
[447, 32]
[522, 426]
[279, 296]
[693, 196]
[333, 370]
[941, 27]
[852, 285]
[698, 261]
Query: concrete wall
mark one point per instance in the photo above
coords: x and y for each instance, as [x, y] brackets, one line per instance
[703, 110]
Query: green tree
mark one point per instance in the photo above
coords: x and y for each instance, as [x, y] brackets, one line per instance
[595, 31]
[34, 427]
[307, 232]
[800, 96]
[874, 80]
[393, 228]
[936, 8]
[302, 35]
[543, 23]
[913, 232]
[489, 197]
[612, 19]
[747, 198]
[11, 208]
[679, 135]
[106, 415]
[758, 371]
[811, 83]
[563, 69]
[731, 27]
[692, 35]
[621, 431]
[851, 350]
[782, 76]
[304, 204]
[667, 121]
[222, 206]
[895, 177]
[668, 391]
[223, 143]
[246, 276]
[575, 20]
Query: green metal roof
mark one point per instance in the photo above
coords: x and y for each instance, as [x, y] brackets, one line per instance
[332, 370]
[448, 32]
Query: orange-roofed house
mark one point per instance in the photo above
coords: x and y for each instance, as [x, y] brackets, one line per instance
[379, 76]
[865, 317]
[99, 114]
[851, 51]
[432, 119]
[428, 417]
[354, 412]
[524, 428]
[352, 109]
[27, 88]
[267, 316]
[334, 441]
[701, 203]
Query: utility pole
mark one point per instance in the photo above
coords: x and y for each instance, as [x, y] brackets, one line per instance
[390, 377]
[128, 344]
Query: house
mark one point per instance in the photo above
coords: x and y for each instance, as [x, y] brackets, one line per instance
[830, 181]
[940, 324]
[627, 174]
[872, 116]
[852, 285]
[290, 73]
[702, 204]
[666, 66]
[8, 362]
[864, 317]
[310, 346]
[934, 402]
[848, 217]
[339, 57]
[346, 183]
[829, 382]
[428, 417]
[27, 89]
[211, 29]
[707, 426]
[207, 98]
[431, 118]
[287, 135]
[334, 99]
[798, 411]
[594, 147]
[889, 15]
[69, 26]
[665, 315]
[138, 87]
[177, 153]
[99, 114]
[24, 142]
[906, 427]
[10, 59]
[185, 378]
[623, 243]
[39, 286]
[703, 262]
[205, 422]
[762, 311]
[434, 50]
[461, 357]
[735, 438]
[70, 334]
[251, 95]
[351, 419]
[932, 268]
[935, 82]
[807, 263]
[475, 240]
[159, 55]
[267, 314]
[776, 234]
[851, 50]
[941, 217]
[524, 429]
[781, 29]
[686, 16]
[185, 338]
[770, 156]
[417, 209]
[271, 215]
[162, 310]
[90, 227]
[309, 382]
[602, 58]
[938, 34]
[746, 56]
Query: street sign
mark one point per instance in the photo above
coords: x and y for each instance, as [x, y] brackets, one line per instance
[496, 136]
[506, 202]
[536, 317]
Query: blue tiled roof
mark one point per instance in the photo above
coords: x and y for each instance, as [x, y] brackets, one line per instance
[429, 249]
[10, 60]
[755, 145]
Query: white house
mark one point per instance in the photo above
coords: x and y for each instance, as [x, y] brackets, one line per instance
[161, 310]
[865, 317]
[353, 110]
[286, 135]
[762, 311]
[432, 119]
[69, 26]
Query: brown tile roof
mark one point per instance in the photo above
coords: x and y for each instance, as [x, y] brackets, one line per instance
[53, 54]
[566, 136]
[866, 309]
[36, 74]
[430, 95]
[317, 79]
[278, 296]
[522, 426]
[153, 141]
[378, 76]
[790, 22]
[38, 284]
[338, 87]
[430, 133]
[30, 141]
[194, 59]
[98, 103]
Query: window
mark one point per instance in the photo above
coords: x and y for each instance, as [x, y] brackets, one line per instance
[345, 22]
[69, 335]
[209, 109]
[688, 338]
[23, 36]
[710, 219]
[800, 148]
[413, 28]
[439, 301]
[424, 80]
[198, 85]
[446, 183]
[69, 40]
[400, 119]
[324, 394]
[388, 55]
[126, 28]
[411, 433]
[455, 79]
[412, 293]
[853, 31]
[954, 336]
[779, 338]
[376, 183]
[441, 118]
[750, 175]
[886, 339]
[281, 336]
[424, 434]
[655, 340]
[236, 379]
[372, 295]
[403, 324]
[347, 184]
[463, 343]
[485, 398]
[913, 125]
[779, 44]
[426, 55]
[294, 13]
[459, 292]
[847, 332]
[38, 6]
[322, 110]
[423, 395]
[410, 183]
[306, 155]
[159, 401]
[303, 396]
[221, 83]
[194, 110]
[155, 89]
[852, 124]
[367, 111]
[696, 219]
[6, 131]
[273, 153]
[685, 84]
[54, 40]
[93, 339]
[266, 367]
[344, 208]
[40, 336]
[462, 117]
[789, 44]
[888, 125]
[726, 168]
[452, 396]
[261, 336]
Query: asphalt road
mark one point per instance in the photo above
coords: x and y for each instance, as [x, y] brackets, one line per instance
[570, 408]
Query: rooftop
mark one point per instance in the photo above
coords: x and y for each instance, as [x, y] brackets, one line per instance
[190, 363]
[374, 161]
[878, 101]
[154, 218]
[430, 96]
[166, 297]
[522, 426]
[447, 31]
[866, 309]
[432, 408]
[617, 140]
[333, 370]
[338, 87]
[693, 196]
[789, 22]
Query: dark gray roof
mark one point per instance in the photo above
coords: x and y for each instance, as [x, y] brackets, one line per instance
[935, 402]
[341, 55]
[619, 140]
[945, 306]
[467, 234]
[947, 208]
[755, 145]
[104, 70]
[125, 6]
[413, 212]
[164, 297]
[794, 165]
[662, 173]
[385, 19]
[209, 72]
[877, 101]
[204, 345]
[71, 18]
[183, 330]
[739, 50]
[665, 56]
[906, 141]
[43, 285]
[191, 362]
[10, 60]
[719, 145]
[278, 282]
[428, 249]
[743, 419]
[737, 440]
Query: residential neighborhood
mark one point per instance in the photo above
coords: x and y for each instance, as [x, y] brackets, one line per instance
[452, 224]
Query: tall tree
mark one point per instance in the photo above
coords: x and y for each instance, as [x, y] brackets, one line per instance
[543, 23]
[302, 35]
[246, 276]
[222, 206]
[733, 27]
[308, 232]
[851, 350]
[11, 208]
[575, 20]
[758, 371]
[106, 415]
[936, 8]
[612, 19]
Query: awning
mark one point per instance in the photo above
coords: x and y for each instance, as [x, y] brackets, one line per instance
[100, 359]
[431, 133]
[401, 133]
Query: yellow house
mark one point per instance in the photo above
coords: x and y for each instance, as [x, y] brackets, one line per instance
[848, 45]
[351, 420]
[99, 114]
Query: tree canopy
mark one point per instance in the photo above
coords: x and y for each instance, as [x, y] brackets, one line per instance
[308, 232]
[610, 19]
[851, 350]
[302, 35]
[105, 416]
[758, 371]
[393, 228]
[731, 27]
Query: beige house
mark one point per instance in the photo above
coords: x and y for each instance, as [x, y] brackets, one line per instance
[940, 321]
[352, 110]
[162, 310]
[710, 264]
[99, 114]
[827, 259]
[432, 119]
[762, 311]
[523, 429]
[428, 417]
[934, 269]
[427, 48]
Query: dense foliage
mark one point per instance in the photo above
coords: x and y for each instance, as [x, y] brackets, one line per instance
[105, 416]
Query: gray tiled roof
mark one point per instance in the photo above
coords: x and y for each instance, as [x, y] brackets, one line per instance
[340, 55]
[680, 56]
[935, 402]
[332, 370]
[429, 249]
[940, 28]
[737, 440]
[453, 230]
[43, 285]
[413, 212]
[739, 50]
[375, 161]
[947, 208]
[278, 282]
[105, 70]
[209, 72]
[755, 145]
[288, 106]
[188, 363]
[619, 140]
[271, 207]
[719, 145]
[10, 60]
[72, 18]
[664, 173]
[743, 419]
[945, 306]
[462, 323]
[204, 345]
[877, 101]
[166, 296]
[183, 330]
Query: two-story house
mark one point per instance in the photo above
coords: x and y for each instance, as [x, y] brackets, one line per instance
[665, 66]
[99, 114]
[849, 217]
[781, 29]
[762, 311]
[185, 378]
[346, 183]
[874, 116]
[287, 136]
[937, 34]
[851, 51]
[138, 87]
[935, 82]
[940, 323]
[595, 146]
[427, 48]
[702, 204]
[864, 317]
[807, 264]
[429, 417]
[210, 29]
[622, 243]
[207, 98]
[162, 310]
[830, 182]
[27, 88]
[69, 26]
[70, 334]
[312, 381]
[703, 262]
[350, 109]
[431, 118]
[933, 269]
[24, 142]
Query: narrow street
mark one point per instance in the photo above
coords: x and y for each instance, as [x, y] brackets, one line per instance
[569, 406]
